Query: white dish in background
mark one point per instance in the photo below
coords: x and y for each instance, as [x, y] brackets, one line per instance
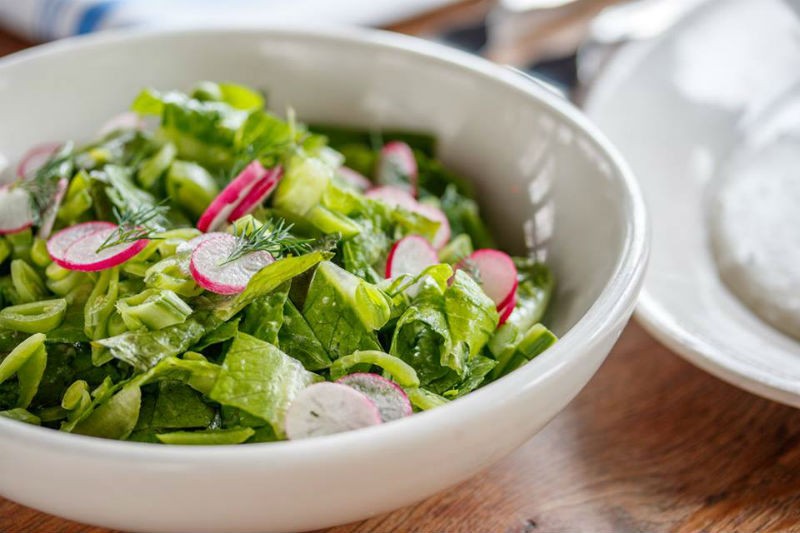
[542, 173]
[681, 108]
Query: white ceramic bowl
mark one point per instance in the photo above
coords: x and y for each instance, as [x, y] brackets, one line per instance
[543, 173]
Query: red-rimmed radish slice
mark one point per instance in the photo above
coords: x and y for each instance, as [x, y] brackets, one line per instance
[211, 272]
[83, 255]
[35, 158]
[327, 408]
[391, 400]
[226, 201]
[397, 166]
[127, 120]
[58, 244]
[257, 194]
[355, 179]
[49, 216]
[394, 196]
[498, 275]
[410, 255]
[442, 235]
[506, 309]
[15, 210]
[191, 244]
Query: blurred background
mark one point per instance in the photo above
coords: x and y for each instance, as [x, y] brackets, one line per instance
[565, 43]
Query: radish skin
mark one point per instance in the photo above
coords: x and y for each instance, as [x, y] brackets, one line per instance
[58, 244]
[355, 179]
[506, 309]
[209, 271]
[498, 275]
[394, 196]
[327, 408]
[391, 400]
[257, 194]
[442, 236]
[82, 254]
[410, 255]
[35, 158]
[127, 120]
[396, 161]
[49, 216]
[217, 213]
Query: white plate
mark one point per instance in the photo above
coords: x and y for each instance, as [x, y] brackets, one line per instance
[677, 107]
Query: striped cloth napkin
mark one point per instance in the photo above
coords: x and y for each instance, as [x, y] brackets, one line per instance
[44, 20]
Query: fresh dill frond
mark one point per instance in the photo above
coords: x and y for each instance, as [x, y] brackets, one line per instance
[42, 186]
[142, 222]
[274, 237]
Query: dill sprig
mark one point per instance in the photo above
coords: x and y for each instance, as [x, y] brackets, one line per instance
[42, 186]
[135, 224]
[273, 237]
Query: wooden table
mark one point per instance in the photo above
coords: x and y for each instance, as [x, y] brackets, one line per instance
[651, 444]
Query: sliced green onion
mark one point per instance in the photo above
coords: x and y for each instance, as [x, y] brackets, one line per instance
[208, 437]
[39, 254]
[403, 373]
[153, 309]
[34, 317]
[168, 274]
[27, 282]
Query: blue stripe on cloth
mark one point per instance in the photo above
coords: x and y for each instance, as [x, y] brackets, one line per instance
[93, 16]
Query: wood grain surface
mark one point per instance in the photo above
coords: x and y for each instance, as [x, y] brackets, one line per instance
[651, 444]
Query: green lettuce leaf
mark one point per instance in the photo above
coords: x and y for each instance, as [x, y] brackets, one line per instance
[344, 311]
[260, 379]
[115, 418]
[298, 340]
[179, 406]
[471, 317]
[264, 317]
[143, 349]
[267, 280]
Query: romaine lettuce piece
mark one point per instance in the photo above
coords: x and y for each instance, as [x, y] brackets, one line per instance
[268, 279]
[143, 349]
[260, 379]
[21, 415]
[422, 339]
[344, 311]
[298, 340]
[115, 418]
[303, 185]
[471, 317]
[264, 317]
[178, 406]
[224, 332]
[236, 96]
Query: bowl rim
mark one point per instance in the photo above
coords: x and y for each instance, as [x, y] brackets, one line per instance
[611, 307]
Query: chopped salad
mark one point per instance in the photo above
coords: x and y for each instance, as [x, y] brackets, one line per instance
[205, 272]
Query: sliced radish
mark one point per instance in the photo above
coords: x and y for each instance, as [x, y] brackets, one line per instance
[15, 210]
[83, 255]
[127, 120]
[191, 244]
[35, 158]
[212, 273]
[257, 194]
[410, 255]
[394, 196]
[49, 216]
[397, 166]
[355, 179]
[442, 235]
[327, 408]
[58, 244]
[498, 275]
[226, 201]
[391, 400]
[506, 309]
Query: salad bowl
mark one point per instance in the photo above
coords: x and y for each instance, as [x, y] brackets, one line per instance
[549, 185]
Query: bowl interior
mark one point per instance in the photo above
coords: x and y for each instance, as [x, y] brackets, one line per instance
[543, 184]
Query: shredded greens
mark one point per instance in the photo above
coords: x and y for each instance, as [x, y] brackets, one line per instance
[141, 351]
